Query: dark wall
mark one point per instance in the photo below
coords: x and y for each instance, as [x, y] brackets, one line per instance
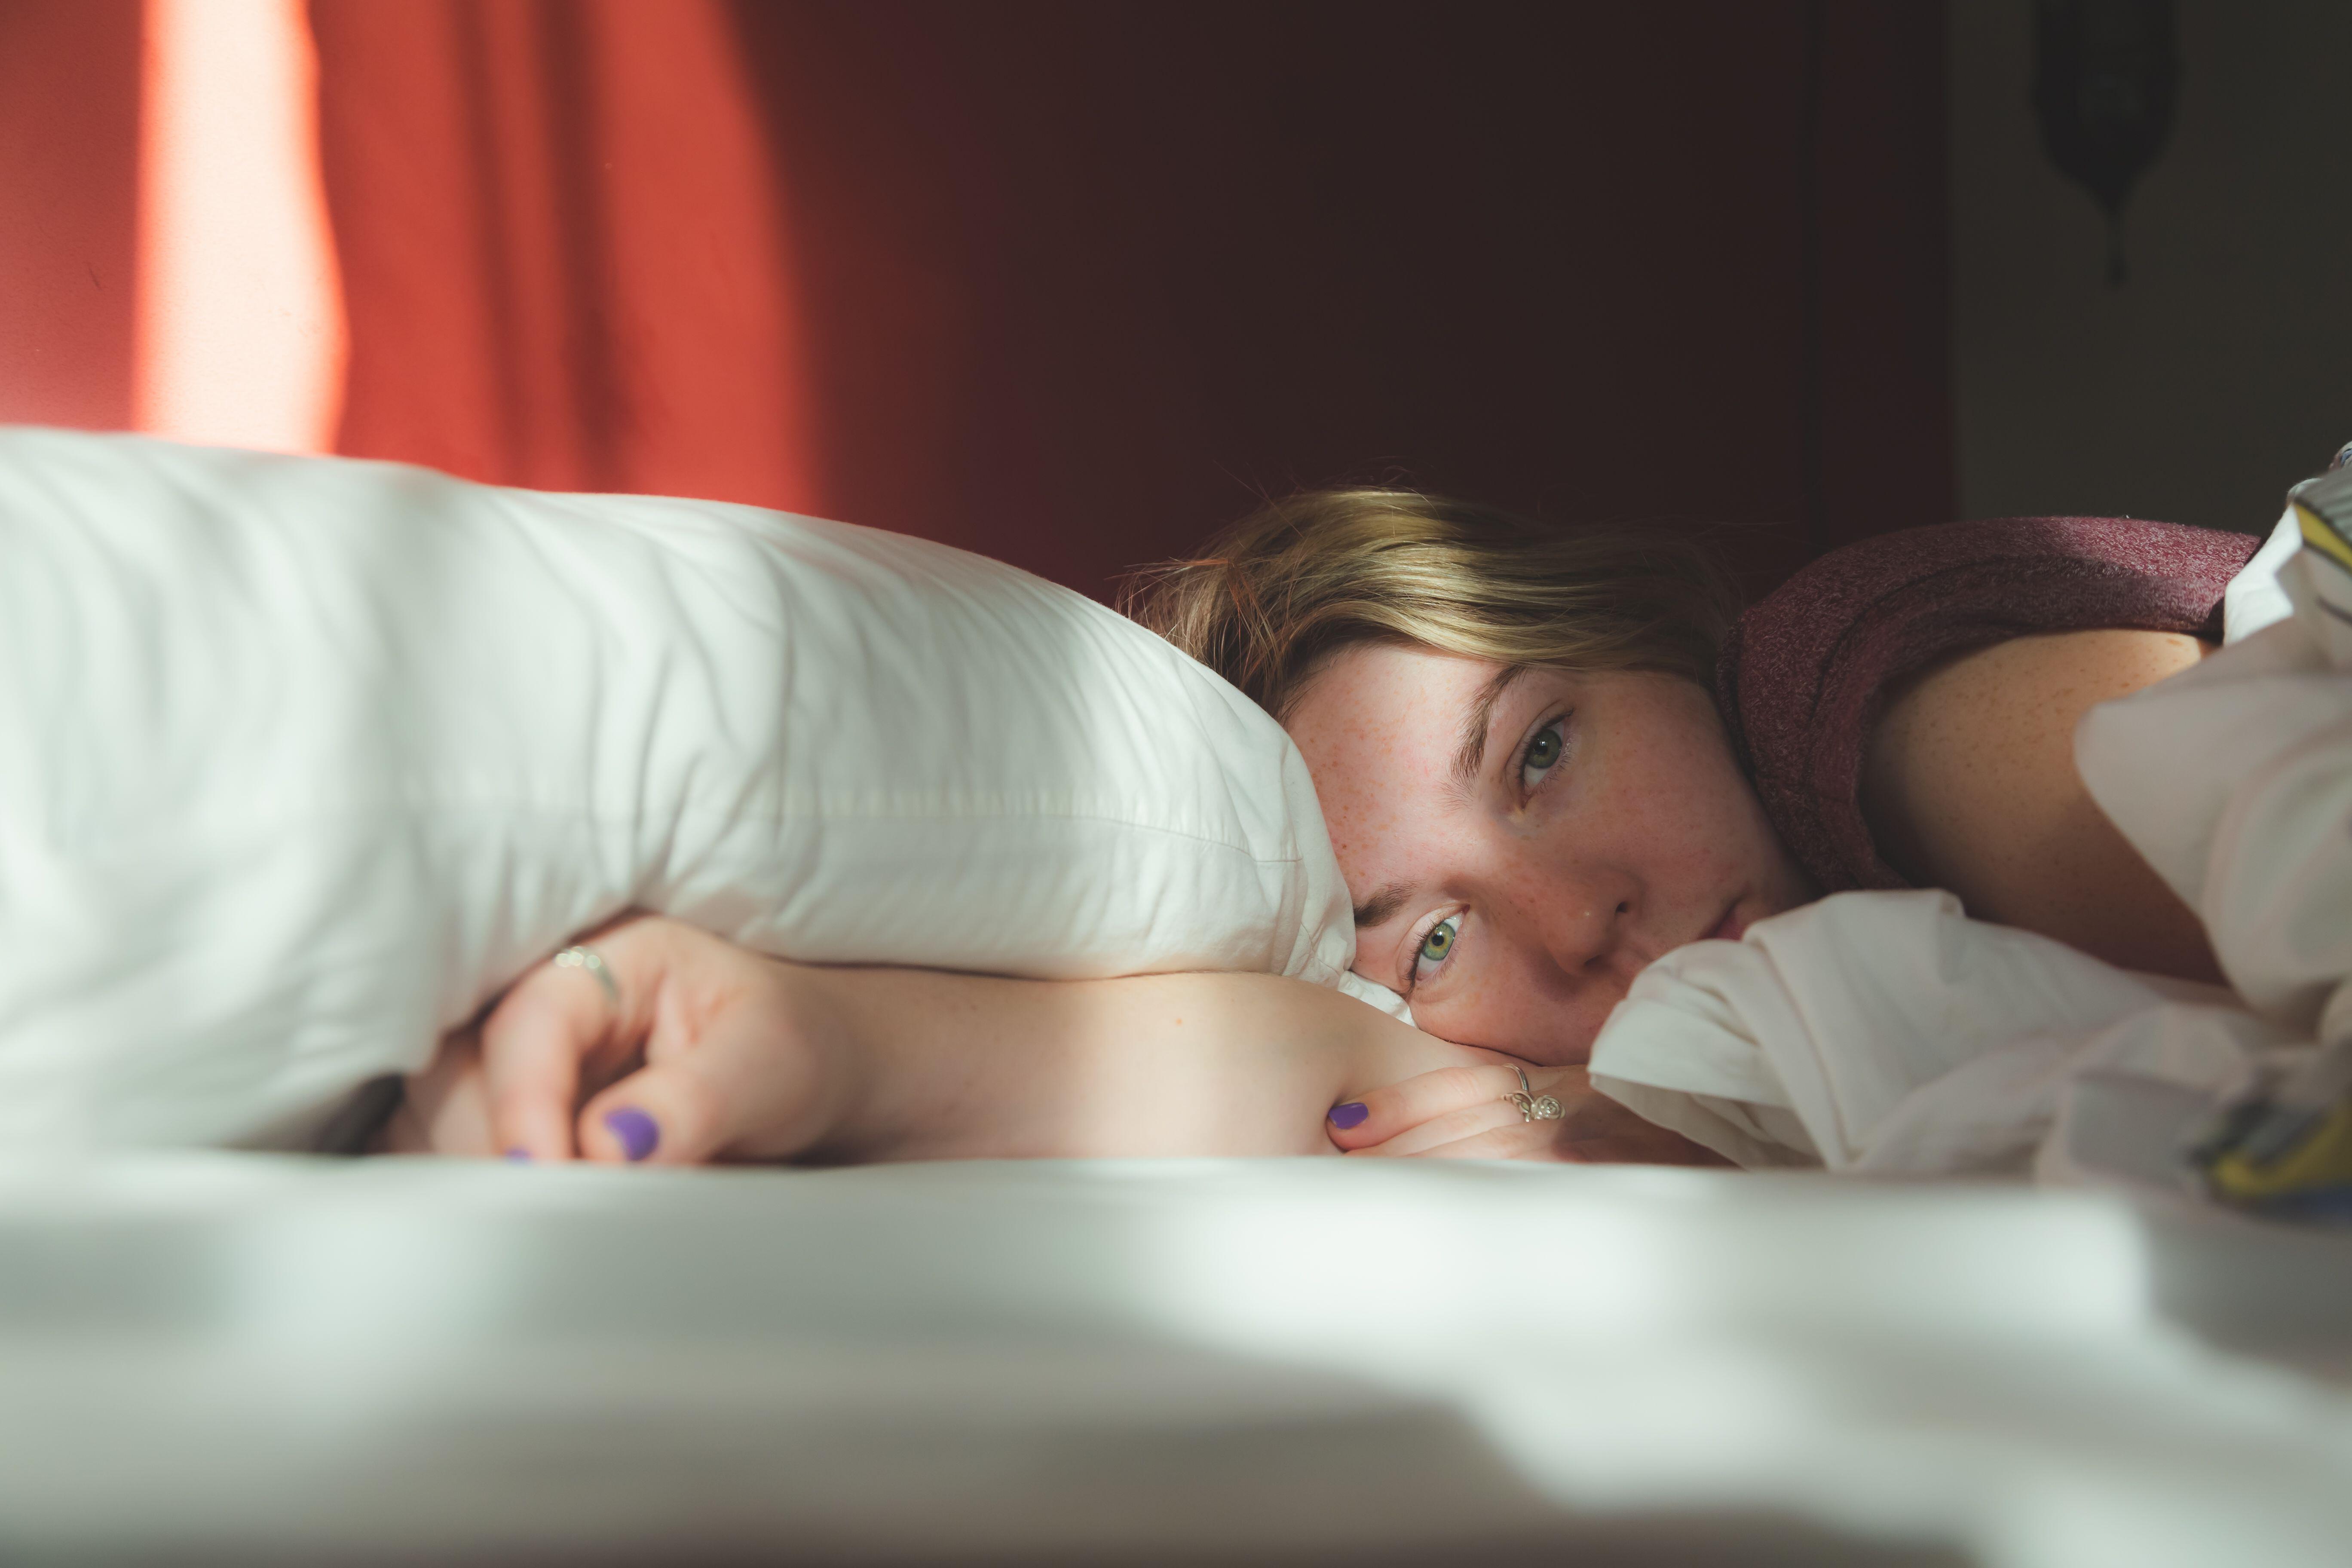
[1083, 278]
[2219, 370]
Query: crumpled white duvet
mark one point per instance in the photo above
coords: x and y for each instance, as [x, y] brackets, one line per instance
[1888, 1033]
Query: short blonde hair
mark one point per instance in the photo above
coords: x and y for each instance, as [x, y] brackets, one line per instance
[1276, 594]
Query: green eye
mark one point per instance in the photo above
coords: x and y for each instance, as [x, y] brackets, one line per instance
[1438, 942]
[1543, 753]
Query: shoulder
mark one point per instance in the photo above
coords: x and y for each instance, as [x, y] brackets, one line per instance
[1968, 782]
[1809, 667]
[1994, 710]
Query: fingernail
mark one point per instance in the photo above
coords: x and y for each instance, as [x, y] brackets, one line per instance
[636, 1130]
[519, 1156]
[1352, 1114]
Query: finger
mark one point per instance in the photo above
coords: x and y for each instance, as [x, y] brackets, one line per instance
[405, 1133]
[1597, 1130]
[445, 1109]
[1468, 1122]
[553, 1025]
[532, 1047]
[1518, 1141]
[1656, 1147]
[734, 1080]
[1382, 1113]
[1543, 1140]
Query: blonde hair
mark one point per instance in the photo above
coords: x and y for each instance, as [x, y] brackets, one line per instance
[1280, 592]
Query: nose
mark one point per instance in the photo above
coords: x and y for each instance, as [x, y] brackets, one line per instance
[1581, 921]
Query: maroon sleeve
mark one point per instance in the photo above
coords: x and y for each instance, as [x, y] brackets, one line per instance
[1804, 673]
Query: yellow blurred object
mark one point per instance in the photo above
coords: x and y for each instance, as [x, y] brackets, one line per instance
[2321, 1158]
[2320, 534]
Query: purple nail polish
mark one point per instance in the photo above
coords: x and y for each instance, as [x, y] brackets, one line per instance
[517, 1156]
[1352, 1114]
[638, 1135]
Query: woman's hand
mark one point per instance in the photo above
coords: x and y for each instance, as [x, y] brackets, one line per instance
[1465, 1113]
[713, 1052]
[710, 1052]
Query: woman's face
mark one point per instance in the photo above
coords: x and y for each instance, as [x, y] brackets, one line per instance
[1520, 843]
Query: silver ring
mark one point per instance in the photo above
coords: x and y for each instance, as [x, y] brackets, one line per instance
[589, 959]
[1531, 1106]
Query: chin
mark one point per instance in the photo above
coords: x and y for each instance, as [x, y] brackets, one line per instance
[1560, 1054]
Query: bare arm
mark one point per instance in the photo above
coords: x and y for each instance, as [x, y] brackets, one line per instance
[1969, 783]
[960, 1064]
[714, 1052]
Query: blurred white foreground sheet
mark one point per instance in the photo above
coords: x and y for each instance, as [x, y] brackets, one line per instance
[1886, 1032]
[258, 1359]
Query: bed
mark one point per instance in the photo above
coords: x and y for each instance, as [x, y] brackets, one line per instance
[256, 1359]
[468, 723]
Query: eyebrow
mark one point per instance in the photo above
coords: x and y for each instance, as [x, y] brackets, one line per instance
[1473, 752]
[1382, 905]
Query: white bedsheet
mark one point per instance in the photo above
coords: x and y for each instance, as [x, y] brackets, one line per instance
[247, 1359]
[1887, 1032]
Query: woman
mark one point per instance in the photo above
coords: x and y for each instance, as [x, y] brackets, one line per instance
[1529, 746]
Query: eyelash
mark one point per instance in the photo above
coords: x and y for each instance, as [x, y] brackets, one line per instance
[1419, 939]
[1557, 726]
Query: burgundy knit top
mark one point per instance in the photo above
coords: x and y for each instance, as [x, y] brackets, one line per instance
[1805, 673]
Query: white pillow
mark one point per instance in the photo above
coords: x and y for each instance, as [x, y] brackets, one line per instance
[302, 760]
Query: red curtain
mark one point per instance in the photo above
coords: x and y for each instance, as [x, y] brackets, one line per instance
[69, 206]
[563, 246]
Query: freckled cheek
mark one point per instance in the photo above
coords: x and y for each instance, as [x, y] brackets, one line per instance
[1736, 834]
[1679, 831]
[1534, 886]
